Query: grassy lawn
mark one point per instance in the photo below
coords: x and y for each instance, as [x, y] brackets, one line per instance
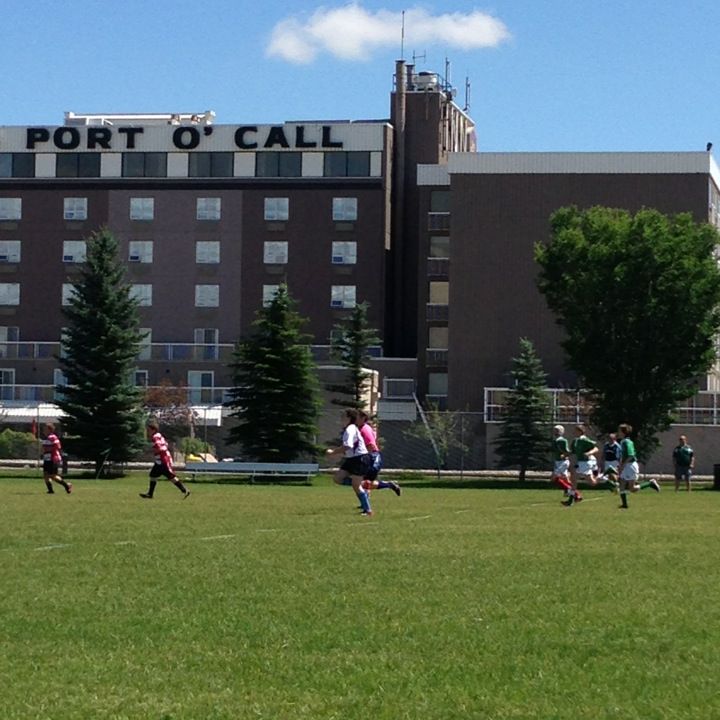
[282, 602]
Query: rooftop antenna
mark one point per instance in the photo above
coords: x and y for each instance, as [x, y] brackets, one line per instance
[402, 37]
[447, 73]
[419, 57]
[467, 94]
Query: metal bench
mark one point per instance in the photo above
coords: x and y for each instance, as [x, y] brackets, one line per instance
[253, 470]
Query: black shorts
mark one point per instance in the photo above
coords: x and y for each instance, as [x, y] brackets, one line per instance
[51, 468]
[357, 465]
[159, 469]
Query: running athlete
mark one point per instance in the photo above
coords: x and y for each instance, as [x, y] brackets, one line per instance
[584, 449]
[629, 470]
[52, 460]
[163, 464]
[561, 466]
[370, 481]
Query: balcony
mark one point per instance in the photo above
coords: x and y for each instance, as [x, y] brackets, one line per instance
[435, 357]
[438, 221]
[434, 311]
[438, 267]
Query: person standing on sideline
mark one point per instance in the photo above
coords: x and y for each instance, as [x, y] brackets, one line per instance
[561, 466]
[370, 481]
[357, 460]
[628, 469]
[163, 465]
[52, 460]
[684, 462]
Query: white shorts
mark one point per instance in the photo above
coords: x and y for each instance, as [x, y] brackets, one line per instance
[561, 468]
[630, 472]
[586, 467]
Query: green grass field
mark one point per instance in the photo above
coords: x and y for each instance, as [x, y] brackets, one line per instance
[281, 602]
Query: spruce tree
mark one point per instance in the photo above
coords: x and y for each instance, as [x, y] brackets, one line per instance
[524, 440]
[275, 398]
[350, 343]
[100, 346]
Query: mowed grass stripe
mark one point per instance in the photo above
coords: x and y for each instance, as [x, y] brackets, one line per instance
[546, 612]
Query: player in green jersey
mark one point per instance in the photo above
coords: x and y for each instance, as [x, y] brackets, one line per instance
[561, 465]
[629, 470]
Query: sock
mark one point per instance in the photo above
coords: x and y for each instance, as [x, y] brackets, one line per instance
[383, 484]
[563, 483]
[623, 498]
[63, 483]
[48, 485]
[151, 489]
[180, 486]
[645, 484]
[364, 501]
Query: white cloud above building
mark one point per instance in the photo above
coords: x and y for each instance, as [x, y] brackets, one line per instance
[351, 32]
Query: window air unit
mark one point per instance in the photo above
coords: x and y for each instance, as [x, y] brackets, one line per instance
[336, 303]
[68, 258]
[338, 259]
[3, 258]
[135, 257]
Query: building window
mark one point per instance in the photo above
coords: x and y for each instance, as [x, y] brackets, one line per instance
[200, 386]
[142, 208]
[438, 338]
[9, 293]
[145, 351]
[440, 201]
[437, 383]
[344, 209]
[277, 208]
[207, 339]
[342, 296]
[10, 208]
[344, 253]
[140, 251]
[207, 296]
[346, 164]
[9, 251]
[140, 378]
[68, 292]
[9, 334]
[75, 208]
[398, 388]
[74, 251]
[275, 252]
[77, 165]
[207, 251]
[278, 164]
[144, 164]
[439, 293]
[210, 164]
[440, 246]
[141, 293]
[269, 293]
[17, 165]
[7, 384]
[208, 209]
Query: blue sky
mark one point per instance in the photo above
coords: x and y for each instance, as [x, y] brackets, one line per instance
[544, 74]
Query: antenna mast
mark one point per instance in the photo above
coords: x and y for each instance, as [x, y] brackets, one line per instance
[402, 37]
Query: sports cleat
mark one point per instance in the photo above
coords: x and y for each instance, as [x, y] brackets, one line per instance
[68, 489]
[395, 488]
[145, 496]
[655, 485]
[567, 503]
[49, 492]
[367, 513]
[578, 498]
[186, 495]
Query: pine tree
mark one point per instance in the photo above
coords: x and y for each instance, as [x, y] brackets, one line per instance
[350, 343]
[275, 398]
[524, 440]
[100, 346]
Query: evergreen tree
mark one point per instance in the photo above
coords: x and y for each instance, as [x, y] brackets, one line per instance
[275, 398]
[654, 285]
[351, 340]
[100, 346]
[524, 439]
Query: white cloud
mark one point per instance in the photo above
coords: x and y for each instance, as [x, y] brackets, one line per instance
[352, 33]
